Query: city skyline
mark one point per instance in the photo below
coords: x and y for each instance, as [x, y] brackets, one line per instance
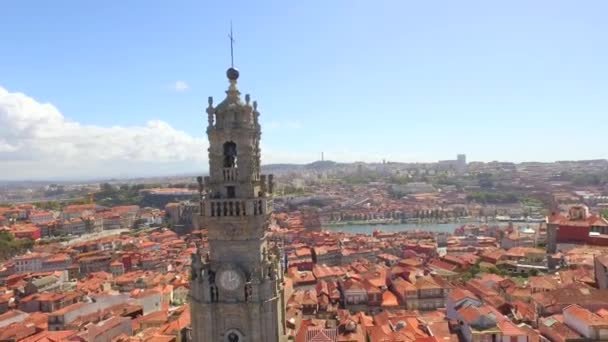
[107, 101]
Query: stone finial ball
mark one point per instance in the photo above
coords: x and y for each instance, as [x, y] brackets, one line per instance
[232, 74]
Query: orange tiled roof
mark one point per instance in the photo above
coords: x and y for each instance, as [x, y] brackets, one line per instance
[508, 328]
[389, 299]
[585, 315]
[50, 336]
[459, 294]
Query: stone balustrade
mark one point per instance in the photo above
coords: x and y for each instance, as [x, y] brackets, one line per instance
[230, 174]
[236, 207]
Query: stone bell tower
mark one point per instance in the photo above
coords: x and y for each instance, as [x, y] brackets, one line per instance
[237, 289]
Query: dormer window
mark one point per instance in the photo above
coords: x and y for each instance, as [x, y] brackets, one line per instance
[230, 154]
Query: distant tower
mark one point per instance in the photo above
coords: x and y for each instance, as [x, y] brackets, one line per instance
[552, 229]
[237, 289]
[461, 163]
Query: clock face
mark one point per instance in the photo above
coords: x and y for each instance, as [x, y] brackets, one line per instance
[230, 280]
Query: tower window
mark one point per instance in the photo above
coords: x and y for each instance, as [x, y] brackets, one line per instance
[230, 154]
[230, 192]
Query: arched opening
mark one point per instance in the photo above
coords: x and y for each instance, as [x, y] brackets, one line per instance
[234, 335]
[230, 154]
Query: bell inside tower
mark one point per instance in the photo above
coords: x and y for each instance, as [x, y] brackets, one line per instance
[230, 154]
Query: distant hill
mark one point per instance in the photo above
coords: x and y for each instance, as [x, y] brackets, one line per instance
[314, 166]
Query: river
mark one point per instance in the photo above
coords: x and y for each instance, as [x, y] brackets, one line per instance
[369, 229]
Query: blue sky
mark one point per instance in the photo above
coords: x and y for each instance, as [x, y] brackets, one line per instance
[360, 80]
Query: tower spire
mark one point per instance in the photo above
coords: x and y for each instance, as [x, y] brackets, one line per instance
[231, 36]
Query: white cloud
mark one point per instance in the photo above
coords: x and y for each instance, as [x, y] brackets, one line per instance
[180, 86]
[37, 141]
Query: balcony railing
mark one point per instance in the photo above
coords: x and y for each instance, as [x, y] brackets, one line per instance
[230, 174]
[236, 208]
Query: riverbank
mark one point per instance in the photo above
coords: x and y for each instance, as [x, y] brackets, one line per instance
[419, 221]
[369, 229]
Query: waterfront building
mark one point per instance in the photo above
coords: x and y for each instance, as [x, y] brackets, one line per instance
[578, 226]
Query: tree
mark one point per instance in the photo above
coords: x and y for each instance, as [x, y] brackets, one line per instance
[110, 196]
[9, 246]
[106, 188]
[48, 205]
[471, 272]
[83, 200]
[486, 197]
[485, 180]
[496, 270]
[475, 269]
